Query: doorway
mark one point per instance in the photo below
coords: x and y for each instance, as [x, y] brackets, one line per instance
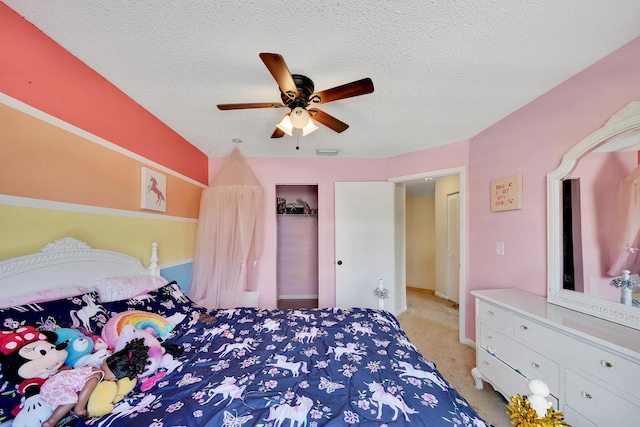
[297, 246]
[448, 268]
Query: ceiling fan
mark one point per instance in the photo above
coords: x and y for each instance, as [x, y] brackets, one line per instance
[297, 94]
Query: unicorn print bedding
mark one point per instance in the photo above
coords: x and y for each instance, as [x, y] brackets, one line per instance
[258, 367]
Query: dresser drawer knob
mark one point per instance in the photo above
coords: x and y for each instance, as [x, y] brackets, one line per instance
[490, 313]
[489, 337]
[535, 365]
[524, 327]
[607, 364]
[485, 363]
[586, 395]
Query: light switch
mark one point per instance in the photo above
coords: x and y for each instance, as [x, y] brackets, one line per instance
[500, 248]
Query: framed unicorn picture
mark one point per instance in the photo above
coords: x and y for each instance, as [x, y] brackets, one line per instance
[153, 190]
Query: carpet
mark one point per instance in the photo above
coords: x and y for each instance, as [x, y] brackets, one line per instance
[432, 326]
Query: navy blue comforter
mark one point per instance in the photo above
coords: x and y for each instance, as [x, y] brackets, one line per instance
[293, 368]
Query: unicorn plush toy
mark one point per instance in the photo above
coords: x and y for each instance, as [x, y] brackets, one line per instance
[151, 328]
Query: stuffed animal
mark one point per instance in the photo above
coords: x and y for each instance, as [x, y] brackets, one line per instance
[128, 325]
[154, 324]
[30, 359]
[81, 349]
[98, 343]
[33, 412]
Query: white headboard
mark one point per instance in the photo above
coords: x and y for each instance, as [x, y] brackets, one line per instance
[68, 262]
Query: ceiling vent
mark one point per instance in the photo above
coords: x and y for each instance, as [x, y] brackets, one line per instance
[326, 152]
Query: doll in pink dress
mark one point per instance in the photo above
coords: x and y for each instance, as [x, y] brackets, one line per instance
[69, 389]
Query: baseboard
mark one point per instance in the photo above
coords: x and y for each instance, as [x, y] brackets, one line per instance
[416, 289]
[298, 296]
[441, 295]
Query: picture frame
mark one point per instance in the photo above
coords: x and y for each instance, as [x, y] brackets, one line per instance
[506, 193]
[153, 190]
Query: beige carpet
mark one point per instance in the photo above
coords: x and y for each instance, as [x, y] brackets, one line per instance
[432, 325]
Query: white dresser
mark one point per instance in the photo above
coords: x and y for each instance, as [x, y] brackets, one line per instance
[591, 366]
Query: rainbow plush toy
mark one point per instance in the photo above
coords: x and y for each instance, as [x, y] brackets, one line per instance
[126, 326]
[156, 325]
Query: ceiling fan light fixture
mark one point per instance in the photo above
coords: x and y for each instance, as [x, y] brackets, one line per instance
[310, 127]
[299, 117]
[285, 125]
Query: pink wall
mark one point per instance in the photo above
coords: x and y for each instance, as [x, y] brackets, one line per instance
[324, 173]
[433, 159]
[532, 141]
[39, 72]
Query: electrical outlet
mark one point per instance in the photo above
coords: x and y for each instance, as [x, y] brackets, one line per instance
[500, 248]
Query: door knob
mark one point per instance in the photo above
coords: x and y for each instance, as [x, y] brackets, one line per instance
[339, 262]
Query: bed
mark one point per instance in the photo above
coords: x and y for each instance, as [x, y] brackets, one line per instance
[243, 366]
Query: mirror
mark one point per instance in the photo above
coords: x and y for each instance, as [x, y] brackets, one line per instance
[623, 122]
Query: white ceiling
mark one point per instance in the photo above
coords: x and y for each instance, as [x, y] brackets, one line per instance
[443, 70]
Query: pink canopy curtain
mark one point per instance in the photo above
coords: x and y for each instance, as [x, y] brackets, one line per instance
[229, 237]
[626, 244]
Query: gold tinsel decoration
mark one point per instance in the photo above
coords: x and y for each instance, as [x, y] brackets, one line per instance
[523, 415]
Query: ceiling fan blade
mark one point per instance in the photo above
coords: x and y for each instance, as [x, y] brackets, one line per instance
[327, 120]
[357, 88]
[280, 72]
[250, 105]
[277, 133]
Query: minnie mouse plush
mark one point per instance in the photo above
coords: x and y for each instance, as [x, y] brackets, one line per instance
[30, 359]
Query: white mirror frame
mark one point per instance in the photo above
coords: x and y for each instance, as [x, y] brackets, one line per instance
[625, 120]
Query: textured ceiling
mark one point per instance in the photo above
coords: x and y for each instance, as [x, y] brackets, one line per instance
[443, 70]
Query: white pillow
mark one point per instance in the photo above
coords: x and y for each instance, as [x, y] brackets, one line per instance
[43, 296]
[125, 287]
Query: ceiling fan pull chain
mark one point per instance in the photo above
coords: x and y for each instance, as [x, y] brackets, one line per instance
[298, 138]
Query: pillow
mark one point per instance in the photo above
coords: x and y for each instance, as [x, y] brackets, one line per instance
[168, 301]
[124, 287]
[80, 312]
[44, 295]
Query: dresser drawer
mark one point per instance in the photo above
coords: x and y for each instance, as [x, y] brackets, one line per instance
[597, 404]
[493, 316]
[600, 363]
[503, 379]
[520, 358]
[574, 419]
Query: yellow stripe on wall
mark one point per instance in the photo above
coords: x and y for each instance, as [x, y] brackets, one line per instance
[25, 230]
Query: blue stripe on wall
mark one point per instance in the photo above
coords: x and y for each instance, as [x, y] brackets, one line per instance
[180, 273]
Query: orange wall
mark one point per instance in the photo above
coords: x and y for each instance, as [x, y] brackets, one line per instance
[42, 161]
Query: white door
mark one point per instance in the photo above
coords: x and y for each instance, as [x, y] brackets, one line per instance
[453, 247]
[365, 243]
